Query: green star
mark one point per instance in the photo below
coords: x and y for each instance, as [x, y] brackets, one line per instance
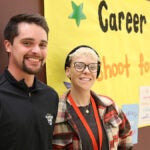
[77, 13]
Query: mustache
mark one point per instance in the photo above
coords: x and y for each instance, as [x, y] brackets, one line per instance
[34, 57]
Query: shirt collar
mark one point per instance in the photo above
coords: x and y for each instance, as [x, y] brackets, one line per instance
[21, 84]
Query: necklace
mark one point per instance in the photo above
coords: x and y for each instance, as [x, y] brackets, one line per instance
[87, 109]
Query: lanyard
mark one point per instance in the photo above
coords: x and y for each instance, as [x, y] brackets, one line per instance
[83, 120]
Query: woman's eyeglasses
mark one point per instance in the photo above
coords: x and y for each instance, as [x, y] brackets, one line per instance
[80, 66]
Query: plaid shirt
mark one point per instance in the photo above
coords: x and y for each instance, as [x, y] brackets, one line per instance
[67, 137]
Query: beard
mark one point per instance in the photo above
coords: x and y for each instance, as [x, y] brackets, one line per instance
[31, 70]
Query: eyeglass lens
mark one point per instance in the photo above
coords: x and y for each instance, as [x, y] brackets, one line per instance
[80, 66]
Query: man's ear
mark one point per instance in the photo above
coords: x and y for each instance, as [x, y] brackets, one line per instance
[7, 46]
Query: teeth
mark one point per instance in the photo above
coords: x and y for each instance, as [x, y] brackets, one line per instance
[85, 79]
[34, 59]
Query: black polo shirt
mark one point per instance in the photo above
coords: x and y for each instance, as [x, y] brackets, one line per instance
[27, 115]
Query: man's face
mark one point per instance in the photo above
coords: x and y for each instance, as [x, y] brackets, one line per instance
[29, 49]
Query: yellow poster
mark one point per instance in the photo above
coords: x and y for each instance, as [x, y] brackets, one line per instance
[118, 29]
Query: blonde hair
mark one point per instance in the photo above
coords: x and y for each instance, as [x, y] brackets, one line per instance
[84, 51]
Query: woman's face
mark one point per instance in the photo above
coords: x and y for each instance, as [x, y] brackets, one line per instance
[82, 80]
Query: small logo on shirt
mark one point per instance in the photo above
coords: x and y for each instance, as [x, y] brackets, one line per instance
[49, 118]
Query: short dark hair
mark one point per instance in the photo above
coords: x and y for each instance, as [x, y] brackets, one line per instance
[11, 29]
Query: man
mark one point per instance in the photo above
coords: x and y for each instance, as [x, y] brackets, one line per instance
[28, 107]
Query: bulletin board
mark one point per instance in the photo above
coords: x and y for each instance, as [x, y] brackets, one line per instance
[119, 30]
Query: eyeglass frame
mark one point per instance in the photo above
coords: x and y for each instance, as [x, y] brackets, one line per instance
[86, 65]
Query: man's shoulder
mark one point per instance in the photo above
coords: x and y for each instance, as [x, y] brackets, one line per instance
[47, 88]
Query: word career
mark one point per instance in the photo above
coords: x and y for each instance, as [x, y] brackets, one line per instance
[132, 22]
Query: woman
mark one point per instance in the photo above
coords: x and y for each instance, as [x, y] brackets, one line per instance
[86, 120]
